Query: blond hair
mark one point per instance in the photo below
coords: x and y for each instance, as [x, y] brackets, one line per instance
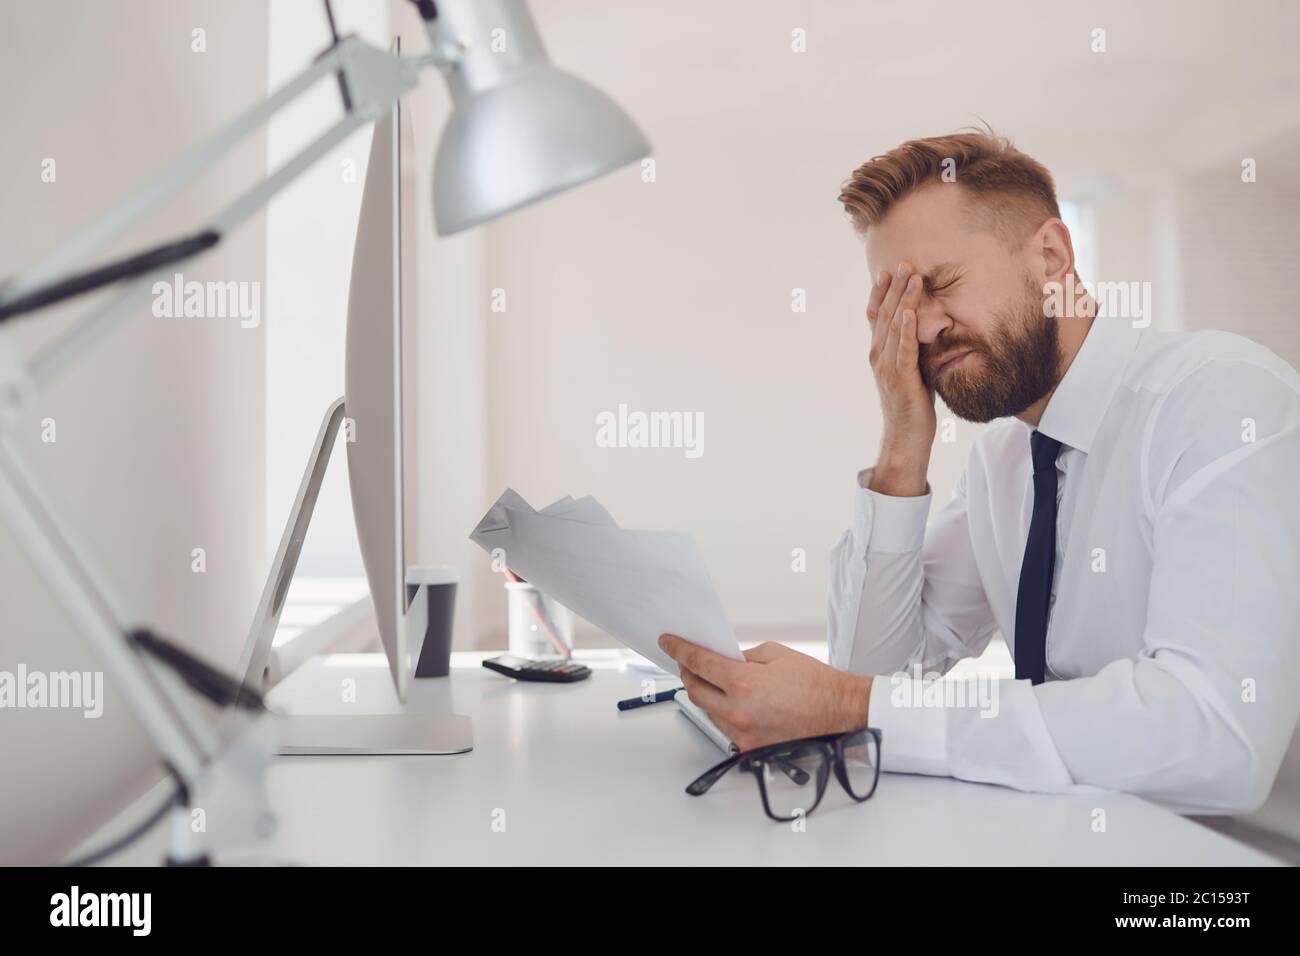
[1012, 194]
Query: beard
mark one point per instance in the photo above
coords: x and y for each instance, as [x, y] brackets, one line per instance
[1006, 374]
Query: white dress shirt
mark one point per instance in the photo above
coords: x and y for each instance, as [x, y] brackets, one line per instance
[1173, 641]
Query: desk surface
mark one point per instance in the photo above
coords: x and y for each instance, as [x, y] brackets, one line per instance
[575, 781]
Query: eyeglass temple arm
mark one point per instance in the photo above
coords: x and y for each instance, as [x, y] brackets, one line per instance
[704, 781]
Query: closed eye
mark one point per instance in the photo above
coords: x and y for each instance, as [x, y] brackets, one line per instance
[941, 277]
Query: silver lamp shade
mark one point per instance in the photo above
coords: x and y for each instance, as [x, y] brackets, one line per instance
[521, 129]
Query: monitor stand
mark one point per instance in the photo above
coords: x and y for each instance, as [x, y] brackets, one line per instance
[406, 732]
[374, 733]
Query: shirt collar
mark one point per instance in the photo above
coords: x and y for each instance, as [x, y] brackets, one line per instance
[1076, 408]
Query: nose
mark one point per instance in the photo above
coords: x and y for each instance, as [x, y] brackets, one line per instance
[932, 320]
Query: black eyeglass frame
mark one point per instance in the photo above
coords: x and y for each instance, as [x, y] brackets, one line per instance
[832, 747]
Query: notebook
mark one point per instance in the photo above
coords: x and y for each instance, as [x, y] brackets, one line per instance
[700, 719]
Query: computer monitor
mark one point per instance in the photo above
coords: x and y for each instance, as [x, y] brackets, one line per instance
[381, 304]
[381, 317]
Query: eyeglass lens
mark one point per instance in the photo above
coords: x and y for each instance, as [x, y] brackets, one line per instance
[861, 763]
[792, 780]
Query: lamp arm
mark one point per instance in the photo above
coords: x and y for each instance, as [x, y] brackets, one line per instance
[77, 250]
[221, 769]
[375, 79]
[185, 743]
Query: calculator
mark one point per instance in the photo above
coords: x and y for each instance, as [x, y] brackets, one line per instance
[521, 668]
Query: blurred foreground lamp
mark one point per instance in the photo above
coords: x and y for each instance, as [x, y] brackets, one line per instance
[521, 130]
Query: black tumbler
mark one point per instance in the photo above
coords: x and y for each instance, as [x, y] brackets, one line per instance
[439, 584]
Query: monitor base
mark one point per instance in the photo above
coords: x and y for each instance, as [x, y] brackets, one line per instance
[358, 734]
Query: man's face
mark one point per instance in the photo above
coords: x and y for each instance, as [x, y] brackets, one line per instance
[979, 298]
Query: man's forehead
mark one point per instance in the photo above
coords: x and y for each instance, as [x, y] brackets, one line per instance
[926, 228]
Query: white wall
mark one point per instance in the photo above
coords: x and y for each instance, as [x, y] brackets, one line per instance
[675, 295]
[310, 231]
[1239, 245]
[159, 428]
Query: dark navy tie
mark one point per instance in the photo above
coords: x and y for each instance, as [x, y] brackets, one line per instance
[1035, 591]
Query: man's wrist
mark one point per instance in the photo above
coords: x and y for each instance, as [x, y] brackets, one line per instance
[854, 701]
[899, 476]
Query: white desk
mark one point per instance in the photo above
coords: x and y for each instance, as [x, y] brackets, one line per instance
[582, 783]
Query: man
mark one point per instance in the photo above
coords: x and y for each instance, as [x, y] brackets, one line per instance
[1129, 522]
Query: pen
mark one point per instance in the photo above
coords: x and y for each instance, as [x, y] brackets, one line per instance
[633, 702]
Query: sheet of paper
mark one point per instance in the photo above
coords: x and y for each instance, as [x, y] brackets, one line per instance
[634, 585]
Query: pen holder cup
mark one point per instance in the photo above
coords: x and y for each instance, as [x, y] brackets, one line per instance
[538, 625]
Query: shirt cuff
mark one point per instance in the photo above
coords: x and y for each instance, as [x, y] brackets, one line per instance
[886, 523]
[913, 732]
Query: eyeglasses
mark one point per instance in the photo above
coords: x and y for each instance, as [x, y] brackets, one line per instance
[788, 772]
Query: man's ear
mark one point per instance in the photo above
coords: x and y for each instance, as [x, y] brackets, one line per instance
[1055, 250]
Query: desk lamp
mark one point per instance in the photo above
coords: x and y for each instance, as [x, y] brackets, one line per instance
[520, 130]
